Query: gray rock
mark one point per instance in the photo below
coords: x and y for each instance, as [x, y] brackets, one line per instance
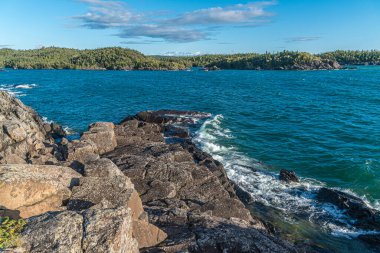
[57, 232]
[185, 191]
[102, 134]
[108, 230]
[94, 230]
[92, 190]
[82, 151]
[102, 168]
[22, 132]
[214, 235]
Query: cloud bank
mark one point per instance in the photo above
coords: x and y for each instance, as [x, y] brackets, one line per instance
[186, 27]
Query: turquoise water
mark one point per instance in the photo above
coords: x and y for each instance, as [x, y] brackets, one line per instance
[325, 125]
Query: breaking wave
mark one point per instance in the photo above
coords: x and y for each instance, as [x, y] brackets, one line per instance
[292, 200]
[17, 89]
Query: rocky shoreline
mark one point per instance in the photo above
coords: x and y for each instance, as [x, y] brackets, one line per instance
[138, 186]
[120, 188]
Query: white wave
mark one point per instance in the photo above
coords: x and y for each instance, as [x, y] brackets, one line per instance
[265, 186]
[46, 120]
[69, 131]
[350, 232]
[25, 86]
[15, 89]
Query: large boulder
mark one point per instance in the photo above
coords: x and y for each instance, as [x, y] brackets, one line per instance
[81, 151]
[57, 232]
[35, 189]
[91, 231]
[115, 192]
[365, 216]
[103, 135]
[101, 168]
[22, 135]
[108, 230]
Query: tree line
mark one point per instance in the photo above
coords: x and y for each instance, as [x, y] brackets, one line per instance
[111, 58]
[117, 58]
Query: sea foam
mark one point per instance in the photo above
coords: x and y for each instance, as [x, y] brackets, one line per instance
[292, 200]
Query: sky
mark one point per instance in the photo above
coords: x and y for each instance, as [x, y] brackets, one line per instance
[179, 27]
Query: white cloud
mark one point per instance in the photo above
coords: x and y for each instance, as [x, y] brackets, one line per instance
[168, 33]
[188, 27]
[234, 14]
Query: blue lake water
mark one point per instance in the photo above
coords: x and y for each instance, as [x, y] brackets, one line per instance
[325, 125]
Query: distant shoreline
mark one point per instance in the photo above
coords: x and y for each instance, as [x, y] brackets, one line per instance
[117, 58]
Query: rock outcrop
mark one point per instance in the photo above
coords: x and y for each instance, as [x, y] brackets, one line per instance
[288, 176]
[185, 191]
[22, 135]
[121, 188]
[364, 216]
[93, 230]
[35, 189]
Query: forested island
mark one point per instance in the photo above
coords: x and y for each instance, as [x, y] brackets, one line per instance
[118, 58]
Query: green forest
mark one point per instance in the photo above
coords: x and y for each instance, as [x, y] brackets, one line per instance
[112, 58]
[117, 58]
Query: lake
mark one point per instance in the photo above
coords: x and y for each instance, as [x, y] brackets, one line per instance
[324, 125]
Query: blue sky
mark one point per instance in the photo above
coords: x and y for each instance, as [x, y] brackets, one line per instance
[191, 27]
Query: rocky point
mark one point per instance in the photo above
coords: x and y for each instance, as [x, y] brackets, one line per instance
[120, 188]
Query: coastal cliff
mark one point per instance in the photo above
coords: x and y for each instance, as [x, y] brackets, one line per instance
[141, 185]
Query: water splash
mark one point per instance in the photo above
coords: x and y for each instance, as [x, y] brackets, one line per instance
[291, 199]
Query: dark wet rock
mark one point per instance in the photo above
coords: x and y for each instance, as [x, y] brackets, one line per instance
[365, 216]
[179, 181]
[54, 130]
[288, 176]
[219, 235]
[169, 116]
[176, 131]
[243, 195]
[205, 233]
[57, 131]
[372, 239]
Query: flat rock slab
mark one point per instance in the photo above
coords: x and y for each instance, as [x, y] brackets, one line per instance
[35, 189]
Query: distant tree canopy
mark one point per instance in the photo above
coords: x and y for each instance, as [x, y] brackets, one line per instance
[371, 57]
[117, 58]
[112, 58]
